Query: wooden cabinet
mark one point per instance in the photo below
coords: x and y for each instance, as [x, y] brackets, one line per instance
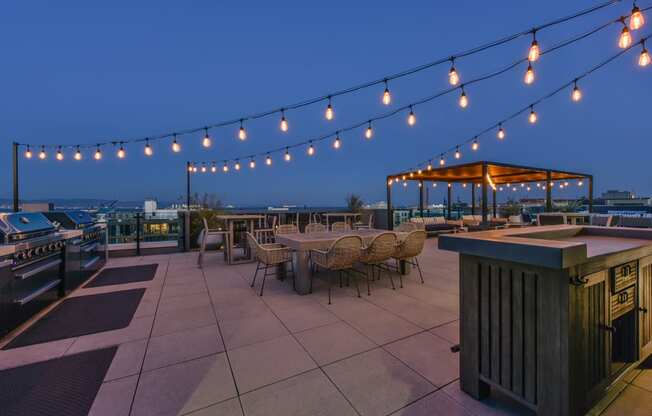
[645, 303]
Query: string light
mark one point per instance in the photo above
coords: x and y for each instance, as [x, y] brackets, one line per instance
[237, 165]
[337, 143]
[194, 169]
[457, 153]
[148, 149]
[404, 184]
[501, 132]
[577, 93]
[429, 167]
[580, 183]
[311, 150]
[411, 119]
[59, 154]
[203, 167]
[206, 141]
[369, 133]
[268, 160]
[453, 76]
[529, 75]
[475, 145]
[189, 168]
[213, 167]
[464, 101]
[636, 19]
[121, 152]
[434, 184]
[176, 147]
[284, 123]
[532, 118]
[387, 97]
[42, 155]
[78, 154]
[28, 153]
[98, 154]
[442, 161]
[287, 156]
[644, 57]
[625, 39]
[330, 114]
[252, 163]
[534, 52]
[225, 168]
[242, 133]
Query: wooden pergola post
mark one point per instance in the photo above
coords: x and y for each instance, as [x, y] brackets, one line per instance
[472, 199]
[548, 191]
[494, 201]
[421, 198]
[484, 207]
[390, 216]
[590, 178]
[449, 203]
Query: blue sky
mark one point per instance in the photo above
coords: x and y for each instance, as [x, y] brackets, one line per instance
[82, 72]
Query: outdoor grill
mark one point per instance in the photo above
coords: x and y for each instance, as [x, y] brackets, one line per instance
[31, 277]
[85, 254]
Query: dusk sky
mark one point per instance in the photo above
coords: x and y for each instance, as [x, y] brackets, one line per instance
[83, 72]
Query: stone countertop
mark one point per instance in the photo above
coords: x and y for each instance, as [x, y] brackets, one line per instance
[554, 246]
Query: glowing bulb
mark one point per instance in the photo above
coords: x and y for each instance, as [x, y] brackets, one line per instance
[458, 154]
[577, 94]
[78, 154]
[387, 97]
[213, 168]
[330, 114]
[176, 147]
[625, 40]
[337, 143]
[59, 155]
[206, 141]
[453, 76]
[194, 169]
[580, 183]
[429, 167]
[442, 161]
[225, 168]
[42, 155]
[501, 132]
[287, 155]
[237, 165]
[28, 153]
[148, 150]
[475, 145]
[369, 133]
[644, 58]
[268, 160]
[203, 168]
[311, 150]
[533, 117]
[529, 75]
[464, 101]
[121, 152]
[242, 133]
[404, 184]
[534, 52]
[434, 184]
[284, 123]
[189, 168]
[98, 154]
[636, 19]
[412, 119]
[252, 164]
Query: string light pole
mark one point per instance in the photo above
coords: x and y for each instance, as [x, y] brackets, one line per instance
[14, 174]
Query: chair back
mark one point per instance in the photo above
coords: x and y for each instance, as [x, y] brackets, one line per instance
[406, 227]
[380, 248]
[412, 245]
[253, 245]
[340, 226]
[314, 227]
[344, 251]
[287, 229]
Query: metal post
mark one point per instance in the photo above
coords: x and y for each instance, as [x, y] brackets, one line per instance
[449, 203]
[590, 194]
[390, 216]
[421, 198]
[14, 148]
[188, 167]
[494, 201]
[484, 207]
[548, 192]
[472, 199]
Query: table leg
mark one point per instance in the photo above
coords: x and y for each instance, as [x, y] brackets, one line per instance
[302, 270]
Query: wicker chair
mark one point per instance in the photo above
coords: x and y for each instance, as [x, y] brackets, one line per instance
[368, 225]
[380, 249]
[269, 256]
[408, 250]
[287, 229]
[212, 232]
[314, 227]
[340, 226]
[340, 257]
[265, 234]
[406, 227]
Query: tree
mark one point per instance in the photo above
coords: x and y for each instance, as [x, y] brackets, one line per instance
[354, 202]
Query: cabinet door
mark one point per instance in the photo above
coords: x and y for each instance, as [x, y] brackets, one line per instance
[645, 301]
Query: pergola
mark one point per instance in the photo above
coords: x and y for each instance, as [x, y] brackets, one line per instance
[485, 175]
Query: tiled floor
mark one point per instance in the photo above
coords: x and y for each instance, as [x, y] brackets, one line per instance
[203, 343]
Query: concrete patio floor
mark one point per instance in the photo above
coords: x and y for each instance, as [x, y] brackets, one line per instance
[202, 342]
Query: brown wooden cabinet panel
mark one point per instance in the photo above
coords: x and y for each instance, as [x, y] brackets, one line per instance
[645, 302]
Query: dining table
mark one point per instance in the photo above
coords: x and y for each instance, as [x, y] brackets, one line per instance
[302, 243]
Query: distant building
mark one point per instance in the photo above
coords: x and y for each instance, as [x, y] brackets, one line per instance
[37, 206]
[614, 194]
[151, 210]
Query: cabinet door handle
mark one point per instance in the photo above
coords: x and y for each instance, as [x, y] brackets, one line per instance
[642, 309]
[609, 328]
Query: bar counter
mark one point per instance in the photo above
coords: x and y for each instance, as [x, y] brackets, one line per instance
[552, 315]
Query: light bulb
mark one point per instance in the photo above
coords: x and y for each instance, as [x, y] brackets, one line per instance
[529, 75]
[412, 119]
[580, 183]
[42, 155]
[189, 168]
[429, 167]
[98, 154]
[59, 154]
[369, 133]
[625, 39]
[121, 152]
[78, 154]
[237, 165]
[636, 20]
[252, 164]
[284, 123]
[434, 184]
[242, 133]
[404, 184]
[225, 168]
[28, 153]
[148, 150]
[206, 141]
[475, 145]
[453, 76]
[311, 150]
[464, 101]
[577, 94]
[203, 168]
[194, 169]
[268, 160]
[442, 161]
[387, 97]
[458, 154]
[329, 114]
[644, 58]
[176, 147]
[533, 117]
[213, 168]
[501, 132]
[337, 143]
[534, 52]
[287, 155]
